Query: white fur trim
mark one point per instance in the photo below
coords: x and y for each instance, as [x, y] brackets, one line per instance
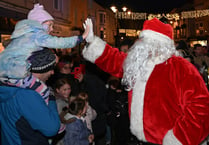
[204, 142]
[137, 104]
[170, 139]
[158, 36]
[94, 50]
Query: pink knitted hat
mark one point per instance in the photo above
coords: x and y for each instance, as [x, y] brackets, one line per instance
[39, 14]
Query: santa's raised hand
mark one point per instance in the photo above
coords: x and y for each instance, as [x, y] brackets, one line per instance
[88, 25]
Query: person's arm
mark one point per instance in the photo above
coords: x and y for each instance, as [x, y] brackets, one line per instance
[103, 55]
[40, 116]
[62, 117]
[107, 58]
[46, 40]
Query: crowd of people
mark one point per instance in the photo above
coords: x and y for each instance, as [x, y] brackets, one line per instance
[198, 55]
[148, 91]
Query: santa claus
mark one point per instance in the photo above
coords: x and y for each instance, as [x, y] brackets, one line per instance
[168, 100]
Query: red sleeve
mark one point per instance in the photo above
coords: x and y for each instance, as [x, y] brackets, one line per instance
[111, 61]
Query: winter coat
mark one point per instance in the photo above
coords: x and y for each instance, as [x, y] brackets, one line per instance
[25, 118]
[77, 133]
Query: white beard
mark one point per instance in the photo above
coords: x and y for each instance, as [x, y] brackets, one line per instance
[145, 50]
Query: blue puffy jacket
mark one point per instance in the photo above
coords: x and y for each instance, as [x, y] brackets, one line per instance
[25, 118]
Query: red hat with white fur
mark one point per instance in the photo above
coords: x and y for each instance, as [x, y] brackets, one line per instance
[158, 27]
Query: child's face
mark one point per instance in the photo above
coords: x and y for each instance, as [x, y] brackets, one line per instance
[49, 25]
[64, 90]
[67, 68]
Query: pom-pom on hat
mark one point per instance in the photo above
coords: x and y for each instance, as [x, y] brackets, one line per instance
[42, 61]
[159, 27]
[39, 14]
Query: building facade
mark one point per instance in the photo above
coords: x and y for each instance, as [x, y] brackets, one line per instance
[104, 22]
[192, 30]
[202, 23]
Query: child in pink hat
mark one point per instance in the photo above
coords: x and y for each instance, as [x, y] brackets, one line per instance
[30, 35]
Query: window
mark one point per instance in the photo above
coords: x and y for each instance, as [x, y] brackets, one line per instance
[200, 28]
[58, 5]
[102, 18]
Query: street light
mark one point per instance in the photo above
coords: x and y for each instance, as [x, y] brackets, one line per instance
[118, 15]
[115, 10]
[129, 12]
[124, 9]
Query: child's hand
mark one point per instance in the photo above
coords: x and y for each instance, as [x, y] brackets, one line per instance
[91, 138]
[88, 34]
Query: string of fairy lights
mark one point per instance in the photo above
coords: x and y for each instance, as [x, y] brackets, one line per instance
[173, 16]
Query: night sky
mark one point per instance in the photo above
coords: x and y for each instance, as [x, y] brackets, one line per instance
[149, 6]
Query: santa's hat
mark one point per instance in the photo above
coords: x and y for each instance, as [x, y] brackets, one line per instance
[157, 29]
[39, 14]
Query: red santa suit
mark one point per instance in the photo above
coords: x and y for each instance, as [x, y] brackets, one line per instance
[171, 107]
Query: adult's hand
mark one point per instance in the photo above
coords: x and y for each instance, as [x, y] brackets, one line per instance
[88, 26]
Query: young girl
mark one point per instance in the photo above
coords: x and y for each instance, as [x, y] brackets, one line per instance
[90, 113]
[62, 89]
[30, 35]
[77, 132]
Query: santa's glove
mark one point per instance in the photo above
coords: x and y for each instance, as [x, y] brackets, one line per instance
[88, 26]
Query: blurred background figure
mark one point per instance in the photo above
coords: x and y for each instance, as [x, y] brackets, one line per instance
[95, 80]
[182, 47]
[118, 119]
[126, 44]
